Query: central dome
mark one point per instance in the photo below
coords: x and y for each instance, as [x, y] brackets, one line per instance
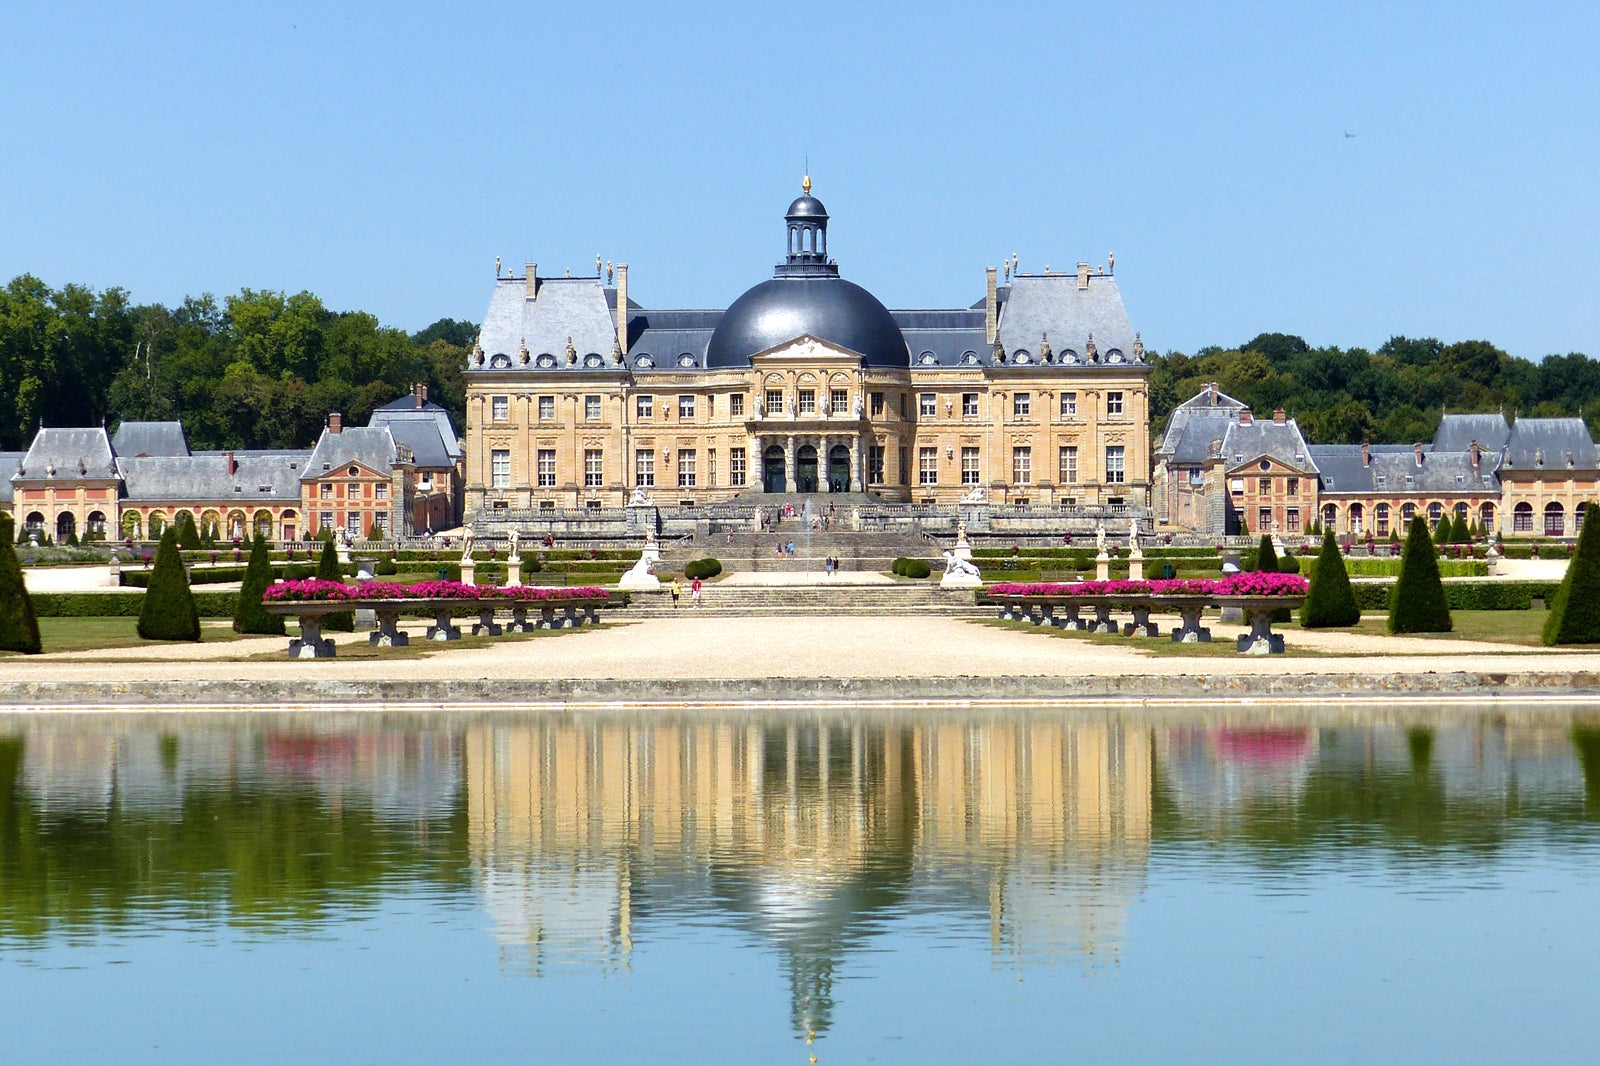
[807, 296]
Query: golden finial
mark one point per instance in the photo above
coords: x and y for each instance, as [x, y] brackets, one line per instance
[805, 184]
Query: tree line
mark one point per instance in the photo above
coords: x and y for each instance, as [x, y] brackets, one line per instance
[262, 369]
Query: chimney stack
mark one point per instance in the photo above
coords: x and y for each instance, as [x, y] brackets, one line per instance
[233, 464]
[622, 307]
[1366, 454]
[1477, 455]
[335, 422]
[991, 306]
[1246, 416]
[1083, 275]
[1214, 392]
[1279, 416]
[1416, 450]
[530, 285]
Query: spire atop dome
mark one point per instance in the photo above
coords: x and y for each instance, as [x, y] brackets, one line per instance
[805, 184]
[808, 235]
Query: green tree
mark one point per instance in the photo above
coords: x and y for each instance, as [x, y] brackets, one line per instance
[169, 612]
[188, 535]
[19, 627]
[1575, 609]
[249, 615]
[328, 570]
[1417, 604]
[1330, 602]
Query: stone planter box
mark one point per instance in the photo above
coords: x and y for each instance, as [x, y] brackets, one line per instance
[1065, 612]
[526, 616]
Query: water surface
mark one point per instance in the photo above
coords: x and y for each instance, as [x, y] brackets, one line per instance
[713, 887]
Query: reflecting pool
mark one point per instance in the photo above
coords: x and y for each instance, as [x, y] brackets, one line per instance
[858, 886]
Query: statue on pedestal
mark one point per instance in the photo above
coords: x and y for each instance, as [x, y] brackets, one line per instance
[466, 544]
[515, 539]
[640, 498]
[1100, 538]
[977, 494]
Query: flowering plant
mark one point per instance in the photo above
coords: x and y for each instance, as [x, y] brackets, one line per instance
[1243, 584]
[311, 588]
[319, 589]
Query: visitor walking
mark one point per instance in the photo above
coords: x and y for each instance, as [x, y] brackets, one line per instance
[694, 592]
[677, 591]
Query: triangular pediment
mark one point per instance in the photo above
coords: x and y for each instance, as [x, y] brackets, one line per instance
[806, 346]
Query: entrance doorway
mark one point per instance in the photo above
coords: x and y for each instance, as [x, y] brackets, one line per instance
[773, 475]
[839, 468]
[805, 469]
[66, 526]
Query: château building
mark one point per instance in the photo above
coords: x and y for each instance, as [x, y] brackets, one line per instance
[577, 395]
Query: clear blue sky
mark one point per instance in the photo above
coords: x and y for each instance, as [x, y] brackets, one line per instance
[381, 156]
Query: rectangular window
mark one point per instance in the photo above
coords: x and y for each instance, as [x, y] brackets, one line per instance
[1021, 466]
[1115, 474]
[591, 408]
[905, 471]
[547, 468]
[644, 468]
[902, 405]
[928, 466]
[327, 491]
[644, 407]
[711, 468]
[877, 404]
[1068, 472]
[1292, 487]
[970, 470]
[686, 407]
[927, 405]
[736, 405]
[380, 491]
[1263, 518]
[1069, 405]
[500, 468]
[736, 466]
[1021, 404]
[839, 402]
[500, 408]
[325, 520]
[808, 401]
[547, 408]
[774, 403]
[381, 520]
[1292, 519]
[686, 464]
[1263, 486]
[1113, 405]
[875, 464]
[594, 468]
[547, 505]
[969, 405]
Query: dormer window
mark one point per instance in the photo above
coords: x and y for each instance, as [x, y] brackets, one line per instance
[593, 360]
[644, 362]
[546, 361]
[927, 359]
[686, 360]
[500, 362]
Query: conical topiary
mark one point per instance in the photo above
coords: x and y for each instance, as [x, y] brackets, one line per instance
[1463, 534]
[1330, 602]
[188, 535]
[1575, 608]
[328, 569]
[19, 627]
[1266, 555]
[249, 616]
[1417, 604]
[169, 611]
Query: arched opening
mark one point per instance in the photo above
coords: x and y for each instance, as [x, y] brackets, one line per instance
[1382, 520]
[774, 476]
[95, 526]
[263, 523]
[158, 524]
[235, 525]
[1522, 518]
[1435, 515]
[1358, 519]
[211, 524]
[1555, 520]
[291, 523]
[1461, 512]
[66, 526]
[839, 468]
[1330, 518]
[1486, 517]
[1408, 511]
[34, 524]
[805, 469]
[132, 525]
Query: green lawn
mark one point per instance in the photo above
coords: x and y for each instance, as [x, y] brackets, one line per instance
[87, 634]
[1504, 627]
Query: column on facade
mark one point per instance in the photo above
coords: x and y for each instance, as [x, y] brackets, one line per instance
[790, 472]
[824, 443]
[857, 482]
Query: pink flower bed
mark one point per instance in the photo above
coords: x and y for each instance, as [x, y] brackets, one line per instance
[319, 589]
[1259, 584]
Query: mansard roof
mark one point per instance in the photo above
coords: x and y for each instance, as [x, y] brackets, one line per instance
[69, 454]
[425, 429]
[1550, 443]
[1393, 468]
[578, 311]
[1069, 310]
[370, 446]
[150, 438]
[1264, 438]
[1457, 432]
[9, 461]
[1195, 423]
[258, 476]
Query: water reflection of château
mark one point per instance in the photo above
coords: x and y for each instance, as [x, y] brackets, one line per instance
[809, 832]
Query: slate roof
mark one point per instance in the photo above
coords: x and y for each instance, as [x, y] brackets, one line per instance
[426, 430]
[8, 466]
[562, 308]
[268, 475]
[1457, 432]
[1195, 423]
[150, 438]
[371, 446]
[1441, 472]
[1053, 304]
[65, 450]
[1264, 437]
[1561, 443]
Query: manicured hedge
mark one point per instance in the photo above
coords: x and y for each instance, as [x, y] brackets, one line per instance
[1467, 595]
[702, 568]
[221, 575]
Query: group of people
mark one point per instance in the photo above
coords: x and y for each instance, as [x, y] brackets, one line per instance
[784, 548]
[695, 588]
[830, 565]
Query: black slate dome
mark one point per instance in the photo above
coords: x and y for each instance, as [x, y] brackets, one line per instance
[807, 296]
[829, 308]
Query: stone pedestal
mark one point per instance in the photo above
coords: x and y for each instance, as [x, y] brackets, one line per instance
[1136, 564]
[366, 570]
[639, 578]
[1102, 566]
[963, 548]
[514, 571]
[311, 644]
[469, 571]
[956, 580]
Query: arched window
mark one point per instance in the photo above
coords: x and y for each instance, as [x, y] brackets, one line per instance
[1435, 514]
[1461, 510]
[1383, 520]
[1486, 516]
[1555, 520]
[1358, 516]
[1522, 518]
[1408, 511]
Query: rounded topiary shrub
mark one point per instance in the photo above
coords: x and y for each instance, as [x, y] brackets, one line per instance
[387, 567]
[1331, 602]
[19, 626]
[898, 568]
[168, 612]
[1417, 604]
[249, 615]
[917, 568]
[328, 569]
[702, 568]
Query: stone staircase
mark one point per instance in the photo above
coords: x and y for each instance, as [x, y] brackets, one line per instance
[898, 598]
[757, 552]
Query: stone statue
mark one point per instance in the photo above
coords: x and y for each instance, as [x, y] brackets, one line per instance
[977, 494]
[858, 406]
[790, 404]
[515, 538]
[1100, 537]
[642, 574]
[761, 409]
[1133, 533]
[466, 543]
[954, 564]
[640, 498]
